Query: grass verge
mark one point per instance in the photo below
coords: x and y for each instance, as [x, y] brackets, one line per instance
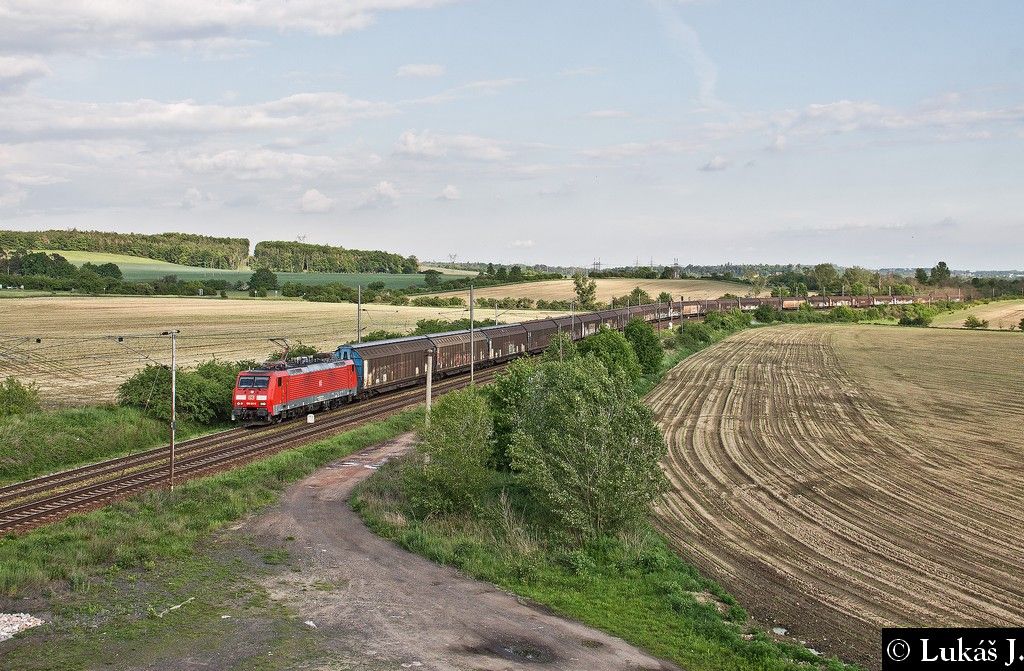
[37, 443]
[161, 525]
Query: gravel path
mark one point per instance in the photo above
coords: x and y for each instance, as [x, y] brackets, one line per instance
[379, 606]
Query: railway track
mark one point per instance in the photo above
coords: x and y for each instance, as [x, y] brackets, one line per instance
[33, 503]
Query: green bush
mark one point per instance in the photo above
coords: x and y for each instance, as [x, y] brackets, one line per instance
[916, 315]
[587, 449]
[450, 473]
[17, 398]
[766, 314]
[973, 322]
[843, 313]
[508, 395]
[695, 335]
[646, 345]
[613, 350]
[203, 394]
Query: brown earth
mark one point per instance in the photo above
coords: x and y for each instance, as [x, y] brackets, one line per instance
[378, 606]
[840, 479]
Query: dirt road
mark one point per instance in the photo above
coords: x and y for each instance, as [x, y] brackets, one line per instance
[838, 479]
[383, 608]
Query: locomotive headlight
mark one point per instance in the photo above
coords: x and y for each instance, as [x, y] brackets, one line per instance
[263, 404]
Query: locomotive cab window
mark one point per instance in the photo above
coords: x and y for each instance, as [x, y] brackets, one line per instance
[249, 382]
[279, 381]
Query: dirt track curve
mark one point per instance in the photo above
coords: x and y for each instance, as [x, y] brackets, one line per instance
[392, 609]
[839, 479]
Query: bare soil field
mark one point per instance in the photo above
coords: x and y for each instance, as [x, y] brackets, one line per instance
[1001, 315]
[609, 287]
[838, 479]
[79, 361]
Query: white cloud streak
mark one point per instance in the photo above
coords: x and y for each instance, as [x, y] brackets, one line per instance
[17, 71]
[37, 118]
[428, 145]
[87, 25]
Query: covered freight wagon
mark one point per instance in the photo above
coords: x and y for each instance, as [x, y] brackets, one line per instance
[505, 341]
[539, 333]
[388, 364]
[452, 350]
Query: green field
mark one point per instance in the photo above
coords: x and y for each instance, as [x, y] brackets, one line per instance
[138, 269]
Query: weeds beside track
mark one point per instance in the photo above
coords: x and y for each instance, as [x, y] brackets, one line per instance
[47, 499]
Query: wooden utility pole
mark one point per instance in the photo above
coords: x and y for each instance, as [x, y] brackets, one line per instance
[359, 313]
[430, 380]
[472, 339]
[174, 397]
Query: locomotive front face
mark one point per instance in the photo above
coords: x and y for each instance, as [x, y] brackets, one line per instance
[252, 397]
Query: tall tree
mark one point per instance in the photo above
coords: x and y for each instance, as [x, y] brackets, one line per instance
[921, 275]
[587, 449]
[825, 275]
[263, 279]
[586, 290]
[940, 274]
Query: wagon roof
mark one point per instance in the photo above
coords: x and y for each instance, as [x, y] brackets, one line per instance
[539, 325]
[455, 337]
[394, 346]
[503, 330]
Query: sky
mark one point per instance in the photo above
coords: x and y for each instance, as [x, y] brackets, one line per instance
[873, 133]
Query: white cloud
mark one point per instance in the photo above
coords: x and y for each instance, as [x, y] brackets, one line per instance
[84, 25]
[433, 145]
[635, 149]
[715, 164]
[33, 179]
[480, 87]
[12, 196]
[384, 194]
[194, 197]
[522, 244]
[17, 71]
[778, 143]
[259, 164]
[43, 117]
[607, 114]
[315, 202]
[420, 70]
[450, 192]
[704, 68]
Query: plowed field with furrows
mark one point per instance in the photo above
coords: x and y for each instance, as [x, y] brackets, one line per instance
[841, 479]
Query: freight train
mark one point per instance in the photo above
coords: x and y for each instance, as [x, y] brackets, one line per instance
[279, 390]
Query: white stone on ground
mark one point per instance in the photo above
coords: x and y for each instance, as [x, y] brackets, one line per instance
[12, 623]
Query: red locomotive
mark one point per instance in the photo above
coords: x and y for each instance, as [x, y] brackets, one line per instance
[280, 390]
